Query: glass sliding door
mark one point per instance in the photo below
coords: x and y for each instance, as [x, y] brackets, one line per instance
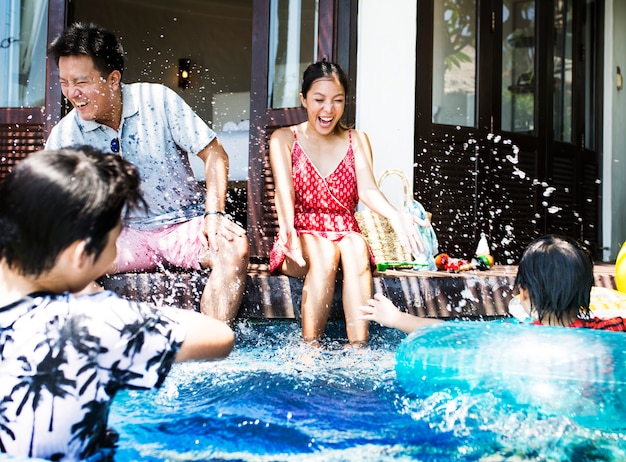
[23, 53]
[507, 132]
[563, 68]
[454, 62]
[29, 92]
[518, 66]
[292, 46]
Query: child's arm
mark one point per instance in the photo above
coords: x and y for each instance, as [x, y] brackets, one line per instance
[207, 338]
[381, 310]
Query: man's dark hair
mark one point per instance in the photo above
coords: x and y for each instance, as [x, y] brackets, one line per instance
[54, 198]
[82, 39]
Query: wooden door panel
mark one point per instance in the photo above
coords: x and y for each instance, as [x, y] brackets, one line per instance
[22, 131]
[477, 184]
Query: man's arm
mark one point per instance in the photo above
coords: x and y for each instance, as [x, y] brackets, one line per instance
[216, 174]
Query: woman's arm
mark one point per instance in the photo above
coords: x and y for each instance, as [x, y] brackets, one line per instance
[281, 143]
[375, 200]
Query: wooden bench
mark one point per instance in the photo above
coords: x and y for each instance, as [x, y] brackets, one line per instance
[470, 294]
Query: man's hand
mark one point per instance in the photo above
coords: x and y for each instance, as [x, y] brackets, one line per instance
[219, 225]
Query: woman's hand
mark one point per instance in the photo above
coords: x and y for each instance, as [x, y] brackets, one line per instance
[404, 224]
[291, 246]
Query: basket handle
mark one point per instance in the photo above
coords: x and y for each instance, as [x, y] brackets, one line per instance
[405, 181]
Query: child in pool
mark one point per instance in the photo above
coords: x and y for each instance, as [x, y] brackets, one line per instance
[63, 357]
[321, 170]
[554, 279]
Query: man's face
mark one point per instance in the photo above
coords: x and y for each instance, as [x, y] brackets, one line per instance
[93, 96]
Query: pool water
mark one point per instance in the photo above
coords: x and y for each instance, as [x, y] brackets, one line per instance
[274, 399]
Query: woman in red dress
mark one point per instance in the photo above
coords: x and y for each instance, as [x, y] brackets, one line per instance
[321, 170]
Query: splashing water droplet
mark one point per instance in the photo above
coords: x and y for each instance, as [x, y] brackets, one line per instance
[548, 191]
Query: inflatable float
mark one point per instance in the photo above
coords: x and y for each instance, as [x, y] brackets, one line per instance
[575, 373]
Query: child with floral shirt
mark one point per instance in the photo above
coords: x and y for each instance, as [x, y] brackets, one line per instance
[63, 357]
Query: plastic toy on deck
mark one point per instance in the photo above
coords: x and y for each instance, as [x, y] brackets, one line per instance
[384, 266]
[445, 263]
[481, 261]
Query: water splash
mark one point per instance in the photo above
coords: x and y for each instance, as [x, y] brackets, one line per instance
[276, 399]
[487, 183]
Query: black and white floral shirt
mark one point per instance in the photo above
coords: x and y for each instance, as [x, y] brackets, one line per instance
[63, 358]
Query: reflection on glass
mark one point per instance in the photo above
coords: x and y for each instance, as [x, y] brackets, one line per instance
[293, 46]
[591, 35]
[23, 52]
[518, 66]
[563, 71]
[454, 62]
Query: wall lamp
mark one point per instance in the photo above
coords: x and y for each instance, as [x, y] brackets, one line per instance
[184, 69]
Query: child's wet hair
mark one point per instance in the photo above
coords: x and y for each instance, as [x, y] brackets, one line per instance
[557, 272]
[54, 198]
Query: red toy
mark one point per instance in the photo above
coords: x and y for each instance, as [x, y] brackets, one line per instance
[444, 262]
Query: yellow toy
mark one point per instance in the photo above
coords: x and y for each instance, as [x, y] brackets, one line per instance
[620, 269]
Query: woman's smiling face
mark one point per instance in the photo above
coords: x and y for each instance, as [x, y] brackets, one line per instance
[325, 103]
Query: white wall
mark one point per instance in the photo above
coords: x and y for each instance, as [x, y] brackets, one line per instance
[386, 85]
[614, 141]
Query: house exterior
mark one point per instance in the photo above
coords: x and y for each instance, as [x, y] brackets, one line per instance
[507, 115]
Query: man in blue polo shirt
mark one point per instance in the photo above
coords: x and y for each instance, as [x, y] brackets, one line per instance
[151, 126]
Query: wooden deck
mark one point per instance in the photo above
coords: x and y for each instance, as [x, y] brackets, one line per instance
[469, 294]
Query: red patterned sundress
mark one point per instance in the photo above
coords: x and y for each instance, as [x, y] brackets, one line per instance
[324, 206]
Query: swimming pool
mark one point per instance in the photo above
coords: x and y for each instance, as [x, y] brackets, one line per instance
[274, 399]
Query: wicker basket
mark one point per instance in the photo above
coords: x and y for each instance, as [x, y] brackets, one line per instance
[378, 230]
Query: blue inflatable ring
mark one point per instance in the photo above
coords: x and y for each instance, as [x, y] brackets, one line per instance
[575, 373]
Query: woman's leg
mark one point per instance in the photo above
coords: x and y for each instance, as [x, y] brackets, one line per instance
[357, 285]
[322, 258]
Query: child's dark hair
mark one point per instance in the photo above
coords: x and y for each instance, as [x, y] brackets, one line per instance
[323, 69]
[81, 39]
[54, 198]
[558, 275]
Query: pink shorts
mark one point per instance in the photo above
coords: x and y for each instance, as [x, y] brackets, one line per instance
[179, 246]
